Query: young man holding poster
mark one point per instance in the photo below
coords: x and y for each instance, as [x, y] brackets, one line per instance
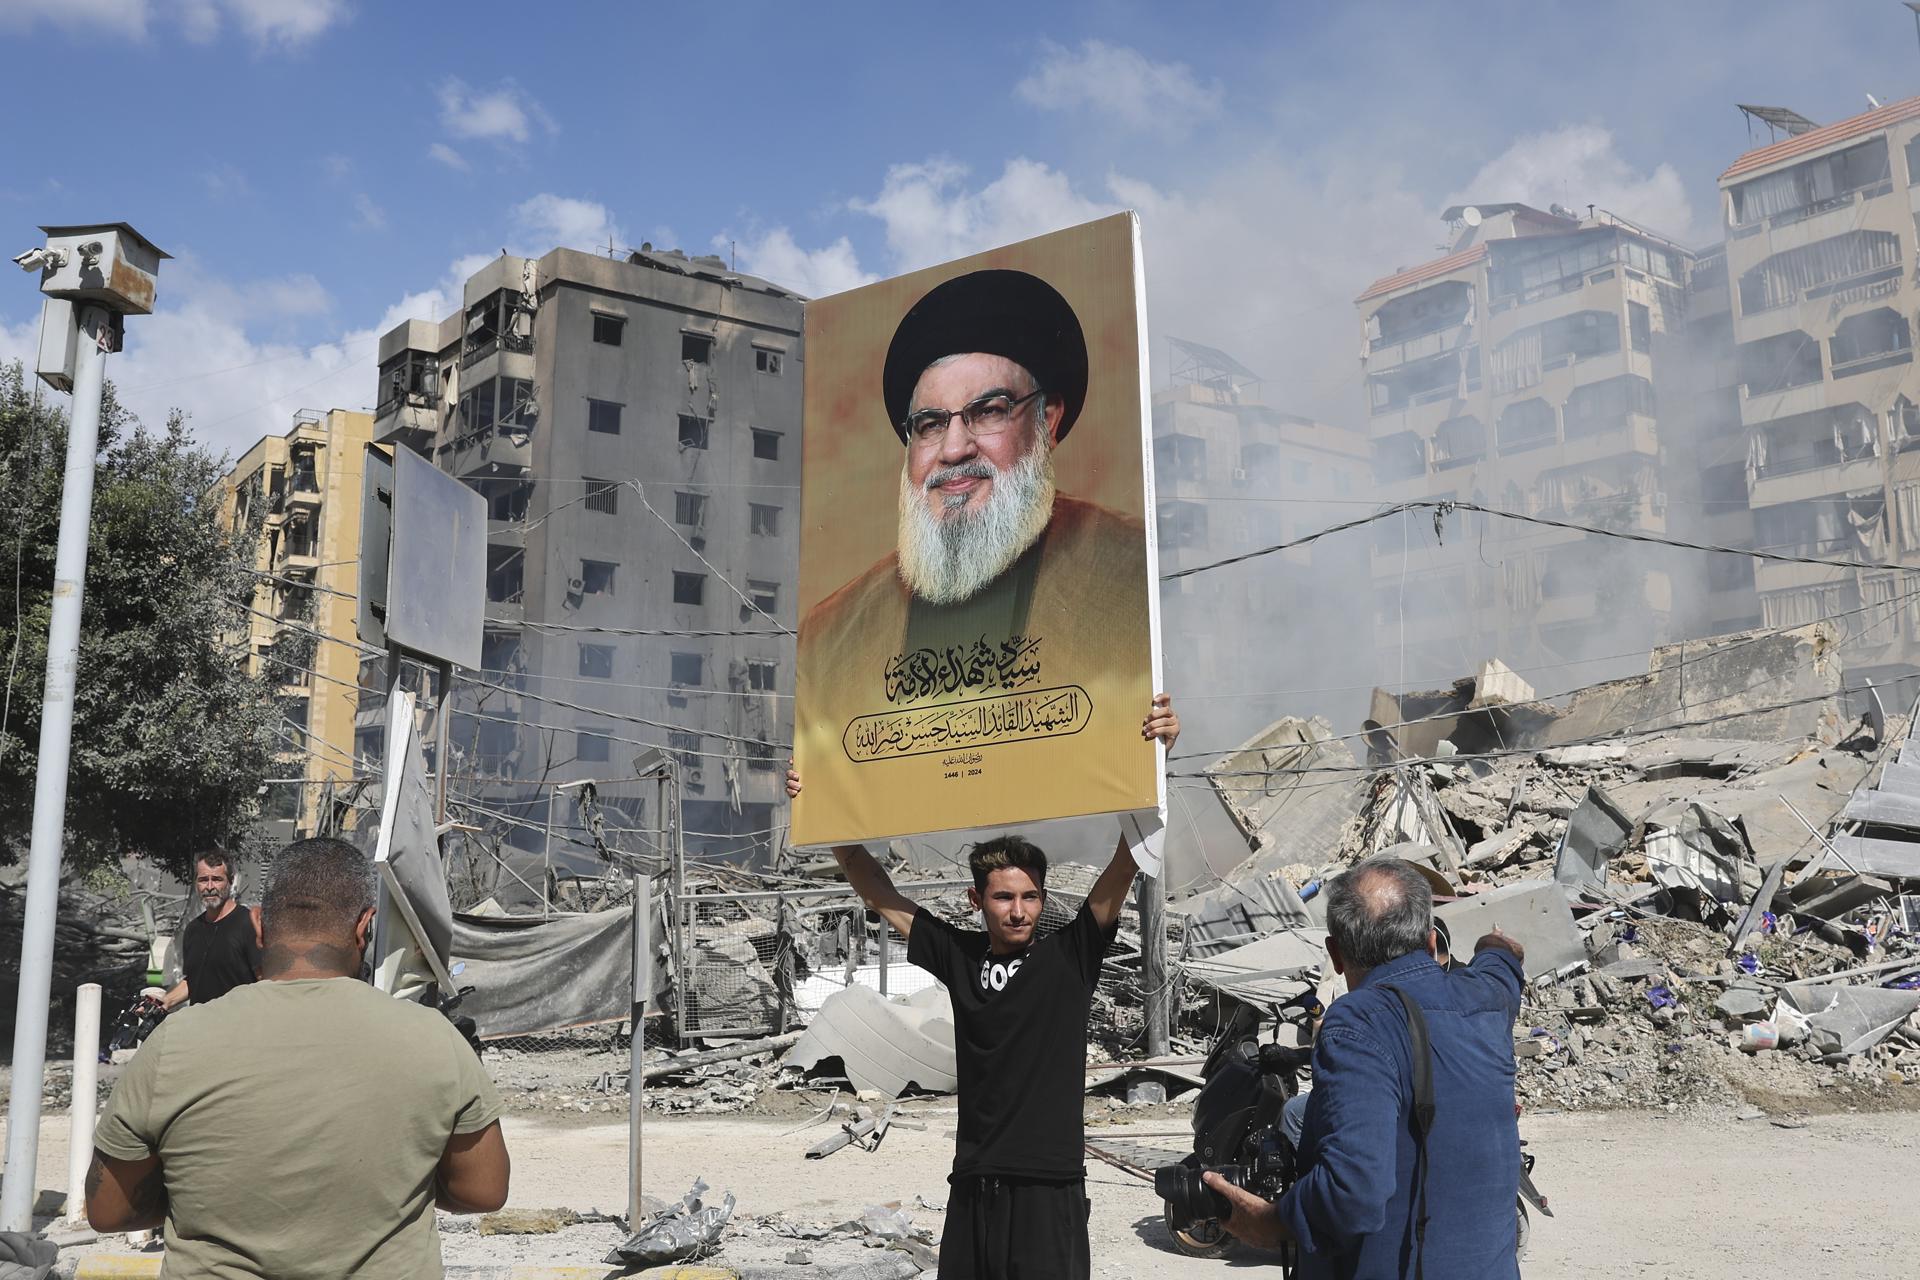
[1018, 1204]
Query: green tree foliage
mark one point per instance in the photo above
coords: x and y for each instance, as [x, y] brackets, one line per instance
[171, 737]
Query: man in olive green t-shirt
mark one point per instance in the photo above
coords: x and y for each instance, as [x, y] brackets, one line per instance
[307, 1125]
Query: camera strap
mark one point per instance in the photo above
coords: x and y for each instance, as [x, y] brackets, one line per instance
[1422, 1117]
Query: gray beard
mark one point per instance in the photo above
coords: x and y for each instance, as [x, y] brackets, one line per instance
[947, 559]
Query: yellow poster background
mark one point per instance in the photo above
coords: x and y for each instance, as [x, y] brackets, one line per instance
[1066, 741]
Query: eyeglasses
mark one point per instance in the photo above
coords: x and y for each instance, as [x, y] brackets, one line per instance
[988, 416]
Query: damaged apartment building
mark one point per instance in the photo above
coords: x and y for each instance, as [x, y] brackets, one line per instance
[1557, 365]
[1820, 259]
[634, 425]
[1233, 473]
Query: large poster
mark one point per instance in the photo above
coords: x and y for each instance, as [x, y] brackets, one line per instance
[978, 621]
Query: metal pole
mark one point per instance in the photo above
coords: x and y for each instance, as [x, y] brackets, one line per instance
[636, 1040]
[86, 1097]
[886, 945]
[1150, 894]
[440, 718]
[50, 780]
[546, 877]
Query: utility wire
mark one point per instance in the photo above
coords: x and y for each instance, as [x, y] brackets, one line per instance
[1443, 507]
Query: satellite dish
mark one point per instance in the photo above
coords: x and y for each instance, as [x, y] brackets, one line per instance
[1470, 215]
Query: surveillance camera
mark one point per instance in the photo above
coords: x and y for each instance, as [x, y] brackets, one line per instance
[41, 259]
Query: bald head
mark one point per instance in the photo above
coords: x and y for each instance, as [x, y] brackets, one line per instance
[1379, 910]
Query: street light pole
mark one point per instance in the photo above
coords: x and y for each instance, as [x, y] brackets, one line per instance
[92, 276]
[50, 778]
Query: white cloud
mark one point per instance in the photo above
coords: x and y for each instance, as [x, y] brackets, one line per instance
[124, 18]
[337, 167]
[212, 350]
[1122, 86]
[368, 216]
[502, 114]
[930, 216]
[1579, 165]
[447, 156]
[224, 182]
[812, 273]
[283, 24]
[1262, 259]
[551, 221]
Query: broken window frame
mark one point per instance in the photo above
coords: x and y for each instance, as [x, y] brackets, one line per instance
[695, 432]
[496, 323]
[696, 347]
[598, 577]
[596, 661]
[506, 574]
[408, 377]
[768, 361]
[765, 595]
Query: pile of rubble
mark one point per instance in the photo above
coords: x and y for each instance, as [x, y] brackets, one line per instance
[1711, 915]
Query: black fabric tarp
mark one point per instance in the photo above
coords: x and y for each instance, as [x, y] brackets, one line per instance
[531, 975]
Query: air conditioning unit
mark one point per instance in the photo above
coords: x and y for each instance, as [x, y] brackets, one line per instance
[1239, 475]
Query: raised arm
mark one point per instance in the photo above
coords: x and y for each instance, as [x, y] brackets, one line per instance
[868, 878]
[875, 887]
[1109, 893]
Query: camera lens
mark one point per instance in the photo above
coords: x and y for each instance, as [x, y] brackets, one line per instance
[1190, 1200]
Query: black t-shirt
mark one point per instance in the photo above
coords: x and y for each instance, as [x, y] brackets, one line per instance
[219, 956]
[1020, 1043]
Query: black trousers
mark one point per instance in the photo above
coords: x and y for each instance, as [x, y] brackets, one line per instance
[1016, 1229]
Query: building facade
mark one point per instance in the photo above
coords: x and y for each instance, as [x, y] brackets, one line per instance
[634, 425]
[1820, 257]
[297, 498]
[1232, 474]
[1551, 365]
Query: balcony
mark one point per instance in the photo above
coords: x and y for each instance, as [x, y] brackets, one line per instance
[1390, 355]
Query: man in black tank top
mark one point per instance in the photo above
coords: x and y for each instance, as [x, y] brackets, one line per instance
[219, 948]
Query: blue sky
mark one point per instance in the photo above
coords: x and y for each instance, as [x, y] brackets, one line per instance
[323, 168]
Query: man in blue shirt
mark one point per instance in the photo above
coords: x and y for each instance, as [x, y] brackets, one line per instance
[1353, 1210]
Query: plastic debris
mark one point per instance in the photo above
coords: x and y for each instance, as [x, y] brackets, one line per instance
[691, 1229]
[1661, 998]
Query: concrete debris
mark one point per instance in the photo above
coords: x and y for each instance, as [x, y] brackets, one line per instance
[889, 1046]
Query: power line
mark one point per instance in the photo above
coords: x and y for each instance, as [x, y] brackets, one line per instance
[1443, 507]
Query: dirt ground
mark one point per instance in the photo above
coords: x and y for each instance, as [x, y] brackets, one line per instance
[1683, 1196]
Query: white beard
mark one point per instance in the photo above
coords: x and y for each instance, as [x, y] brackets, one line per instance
[950, 558]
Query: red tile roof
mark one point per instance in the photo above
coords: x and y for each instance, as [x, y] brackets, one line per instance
[1825, 136]
[1414, 275]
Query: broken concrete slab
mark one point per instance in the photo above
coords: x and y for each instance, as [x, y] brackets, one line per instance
[1798, 666]
[1269, 971]
[884, 1045]
[1235, 914]
[1844, 1020]
[1689, 846]
[1596, 831]
[1884, 809]
[1743, 1003]
[1898, 859]
[1532, 912]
